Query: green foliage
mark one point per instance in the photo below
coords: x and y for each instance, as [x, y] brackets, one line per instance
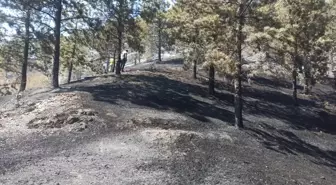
[300, 33]
[155, 14]
[137, 36]
[11, 53]
[211, 26]
[297, 31]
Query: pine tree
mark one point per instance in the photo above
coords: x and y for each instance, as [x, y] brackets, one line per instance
[218, 26]
[297, 33]
[183, 29]
[121, 13]
[154, 12]
[62, 13]
[23, 16]
[137, 36]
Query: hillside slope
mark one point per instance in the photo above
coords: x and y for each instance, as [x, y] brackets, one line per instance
[154, 125]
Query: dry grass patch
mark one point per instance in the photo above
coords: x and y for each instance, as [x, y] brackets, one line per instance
[37, 80]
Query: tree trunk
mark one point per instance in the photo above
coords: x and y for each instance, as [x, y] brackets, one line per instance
[159, 54]
[114, 60]
[160, 41]
[196, 53]
[108, 60]
[307, 84]
[195, 70]
[118, 67]
[295, 74]
[70, 71]
[333, 66]
[212, 80]
[306, 72]
[295, 99]
[237, 84]
[26, 53]
[120, 37]
[139, 58]
[71, 63]
[56, 64]
[107, 65]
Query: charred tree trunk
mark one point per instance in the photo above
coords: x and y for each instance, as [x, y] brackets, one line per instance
[136, 58]
[212, 80]
[295, 74]
[306, 74]
[23, 84]
[159, 47]
[160, 40]
[107, 65]
[333, 67]
[118, 67]
[195, 70]
[58, 19]
[70, 72]
[238, 84]
[114, 60]
[120, 31]
[196, 53]
[71, 63]
[295, 99]
[307, 85]
[120, 40]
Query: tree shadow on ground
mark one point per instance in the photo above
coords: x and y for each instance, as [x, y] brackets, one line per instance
[286, 142]
[174, 61]
[331, 98]
[276, 105]
[272, 96]
[279, 105]
[273, 82]
[325, 93]
[270, 82]
[219, 85]
[162, 93]
[275, 97]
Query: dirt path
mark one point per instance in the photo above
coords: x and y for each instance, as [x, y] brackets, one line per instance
[159, 128]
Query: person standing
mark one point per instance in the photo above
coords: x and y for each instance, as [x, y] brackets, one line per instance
[123, 60]
[112, 65]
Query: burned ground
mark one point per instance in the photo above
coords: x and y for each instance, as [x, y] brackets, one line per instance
[158, 126]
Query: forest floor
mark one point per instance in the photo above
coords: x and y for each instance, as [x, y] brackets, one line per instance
[156, 125]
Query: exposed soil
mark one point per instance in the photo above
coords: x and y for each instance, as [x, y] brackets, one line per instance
[155, 125]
